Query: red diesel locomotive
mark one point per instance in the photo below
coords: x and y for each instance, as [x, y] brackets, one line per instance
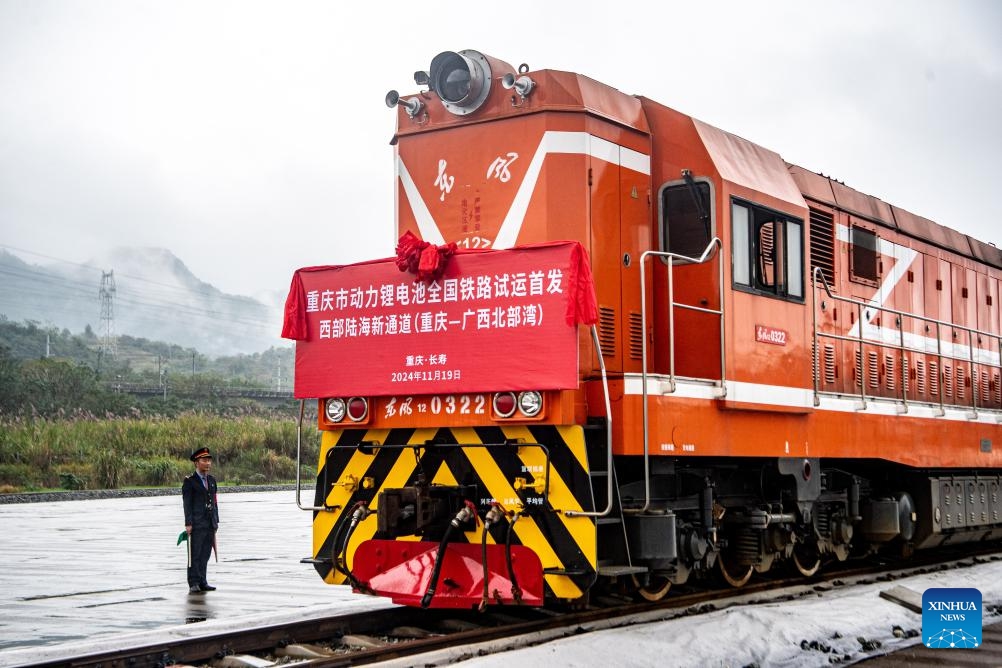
[619, 345]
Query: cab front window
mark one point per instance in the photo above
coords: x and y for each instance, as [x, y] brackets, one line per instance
[686, 217]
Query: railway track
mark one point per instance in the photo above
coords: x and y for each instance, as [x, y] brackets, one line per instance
[439, 637]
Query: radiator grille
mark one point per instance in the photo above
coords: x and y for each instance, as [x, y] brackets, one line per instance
[872, 369]
[607, 330]
[829, 364]
[823, 245]
[636, 337]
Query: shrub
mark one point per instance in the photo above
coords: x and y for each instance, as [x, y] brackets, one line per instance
[116, 451]
[17, 475]
[161, 472]
[71, 481]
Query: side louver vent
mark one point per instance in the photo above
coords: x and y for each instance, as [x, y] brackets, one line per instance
[636, 337]
[607, 330]
[830, 364]
[823, 245]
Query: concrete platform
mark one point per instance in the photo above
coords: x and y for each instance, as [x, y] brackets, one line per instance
[79, 570]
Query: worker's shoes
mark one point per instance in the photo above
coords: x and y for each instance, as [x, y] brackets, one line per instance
[194, 589]
[207, 587]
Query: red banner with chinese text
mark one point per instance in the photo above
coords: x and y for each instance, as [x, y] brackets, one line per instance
[492, 321]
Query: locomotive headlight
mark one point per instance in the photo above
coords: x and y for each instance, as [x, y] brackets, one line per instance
[530, 403]
[461, 80]
[334, 409]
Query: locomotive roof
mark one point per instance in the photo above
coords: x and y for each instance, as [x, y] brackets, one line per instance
[827, 190]
[736, 159]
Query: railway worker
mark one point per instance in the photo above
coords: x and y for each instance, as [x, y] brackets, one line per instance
[201, 519]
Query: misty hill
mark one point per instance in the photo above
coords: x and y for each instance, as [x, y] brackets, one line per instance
[156, 297]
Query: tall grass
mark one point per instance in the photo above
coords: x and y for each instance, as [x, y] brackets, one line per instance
[92, 453]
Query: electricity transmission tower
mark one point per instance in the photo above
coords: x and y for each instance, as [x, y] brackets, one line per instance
[107, 294]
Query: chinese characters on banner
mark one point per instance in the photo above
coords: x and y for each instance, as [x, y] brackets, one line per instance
[493, 321]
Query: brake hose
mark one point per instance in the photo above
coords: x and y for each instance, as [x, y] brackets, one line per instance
[516, 591]
[360, 512]
[465, 514]
[493, 515]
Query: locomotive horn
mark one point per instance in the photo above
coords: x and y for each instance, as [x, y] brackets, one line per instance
[523, 85]
[412, 106]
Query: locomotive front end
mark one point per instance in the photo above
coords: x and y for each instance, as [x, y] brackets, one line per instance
[454, 466]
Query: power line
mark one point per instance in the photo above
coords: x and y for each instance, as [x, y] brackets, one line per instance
[208, 291]
[73, 288]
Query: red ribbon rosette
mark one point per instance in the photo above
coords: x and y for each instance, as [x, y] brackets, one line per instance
[421, 258]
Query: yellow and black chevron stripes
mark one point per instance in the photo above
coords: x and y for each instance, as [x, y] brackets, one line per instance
[550, 463]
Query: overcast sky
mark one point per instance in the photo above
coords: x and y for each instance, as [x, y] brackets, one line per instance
[251, 138]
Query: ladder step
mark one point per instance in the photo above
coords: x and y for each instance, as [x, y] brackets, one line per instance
[619, 570]
[565, 571]
[608, 520]
[598, 474]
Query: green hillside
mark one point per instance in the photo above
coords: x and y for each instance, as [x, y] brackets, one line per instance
[68, 418]
[45, 371]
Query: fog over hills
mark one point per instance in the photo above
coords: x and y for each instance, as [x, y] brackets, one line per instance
[156, 297]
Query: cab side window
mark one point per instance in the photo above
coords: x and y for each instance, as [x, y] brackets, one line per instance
[768, 251]
[686, 218]
[863, 258]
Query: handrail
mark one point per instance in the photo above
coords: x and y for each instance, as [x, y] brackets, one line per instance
[299, 450]
[608, 435]
[974, 375]
[819, 281]
[715, 241]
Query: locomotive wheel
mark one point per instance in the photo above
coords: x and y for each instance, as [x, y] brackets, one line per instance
[736, 576]
[806, 559]
[656, 589]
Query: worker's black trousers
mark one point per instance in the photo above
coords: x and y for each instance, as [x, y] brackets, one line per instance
[201, 548]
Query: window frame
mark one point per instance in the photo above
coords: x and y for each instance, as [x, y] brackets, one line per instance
[662, 222]
[751, 259]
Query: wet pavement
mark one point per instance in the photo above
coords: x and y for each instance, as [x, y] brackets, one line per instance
[77, 576]
[75, 570]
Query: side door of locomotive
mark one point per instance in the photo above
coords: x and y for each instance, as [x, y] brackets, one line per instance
[770, 343]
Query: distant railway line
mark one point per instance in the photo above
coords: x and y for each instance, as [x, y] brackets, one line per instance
[142, 389]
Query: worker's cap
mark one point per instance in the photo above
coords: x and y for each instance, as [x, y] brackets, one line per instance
[201, 453]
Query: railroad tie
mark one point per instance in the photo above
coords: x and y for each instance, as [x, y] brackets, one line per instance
[303, 651]
[241, 661]
[362, 642]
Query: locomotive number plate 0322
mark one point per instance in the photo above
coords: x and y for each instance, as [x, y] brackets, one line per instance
[449, 404]
[771, 335]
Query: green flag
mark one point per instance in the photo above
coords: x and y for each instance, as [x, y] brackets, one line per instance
[183, 536]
